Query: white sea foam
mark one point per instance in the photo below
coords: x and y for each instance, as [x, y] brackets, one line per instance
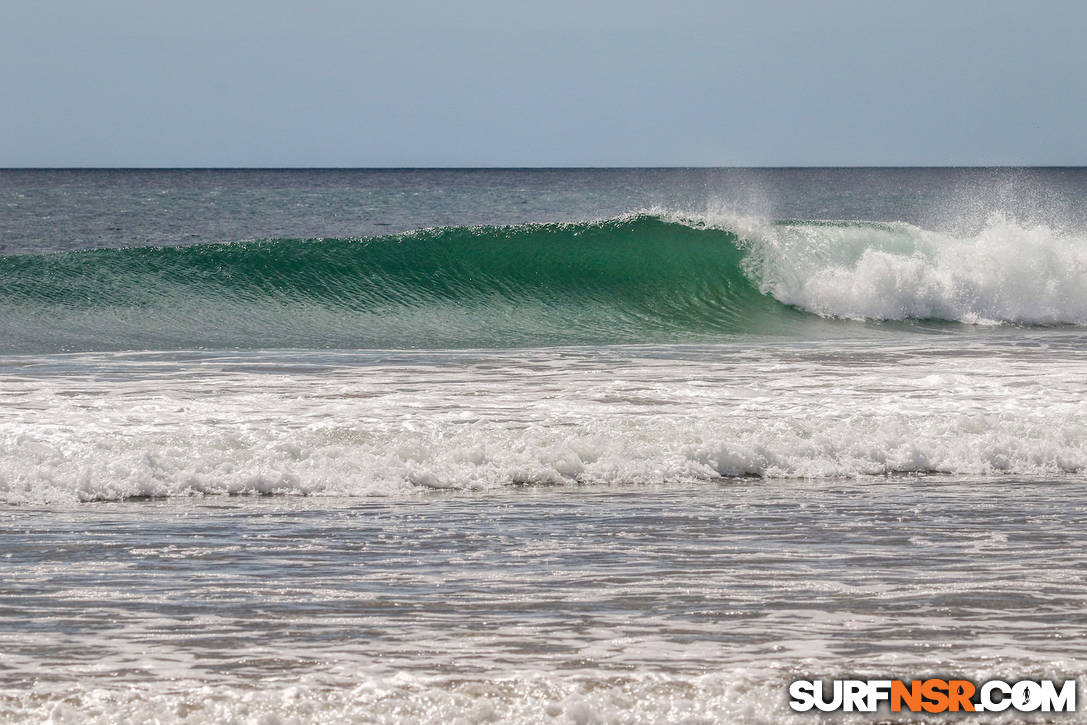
[740, 696]
[1006, 272]
[543, 417]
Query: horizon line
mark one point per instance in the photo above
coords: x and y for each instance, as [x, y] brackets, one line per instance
[542, 168]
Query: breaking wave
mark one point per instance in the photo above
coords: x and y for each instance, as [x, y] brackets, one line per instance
[651, 277]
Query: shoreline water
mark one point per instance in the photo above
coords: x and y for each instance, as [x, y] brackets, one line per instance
[235, 511]
[672, 601]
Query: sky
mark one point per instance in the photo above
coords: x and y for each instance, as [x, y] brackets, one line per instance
[268, 83]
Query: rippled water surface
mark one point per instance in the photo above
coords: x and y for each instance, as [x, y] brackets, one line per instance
[739, 583]
[416, 478]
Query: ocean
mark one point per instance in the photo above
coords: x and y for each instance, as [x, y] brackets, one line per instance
[530, 446]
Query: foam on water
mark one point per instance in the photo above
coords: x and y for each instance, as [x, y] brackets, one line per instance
[121, 427]
[766, 488]
[657, 276]
[738, 696]
[1004, 273]
[682, 604]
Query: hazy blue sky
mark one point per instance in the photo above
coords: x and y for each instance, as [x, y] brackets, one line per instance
[555, 83]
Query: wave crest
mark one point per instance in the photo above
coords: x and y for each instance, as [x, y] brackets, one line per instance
[1006, 273]
[640, 278]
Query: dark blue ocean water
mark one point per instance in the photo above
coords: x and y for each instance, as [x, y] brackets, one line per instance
[534, 445]
[73, 209]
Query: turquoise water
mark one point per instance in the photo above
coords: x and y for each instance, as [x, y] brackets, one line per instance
[661, 277]
[534, 446]
[637, 279]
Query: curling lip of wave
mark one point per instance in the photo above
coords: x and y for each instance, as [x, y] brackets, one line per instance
[633, 279]
[649, 277]
[1005, 273]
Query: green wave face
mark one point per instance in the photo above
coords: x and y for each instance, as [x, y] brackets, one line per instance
[631, 280]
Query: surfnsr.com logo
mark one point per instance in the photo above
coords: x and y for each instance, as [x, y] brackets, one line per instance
[933, 695]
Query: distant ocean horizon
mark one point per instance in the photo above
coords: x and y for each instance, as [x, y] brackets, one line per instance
[535, 445]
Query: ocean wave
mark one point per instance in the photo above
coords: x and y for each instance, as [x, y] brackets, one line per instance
[300, 444]
[649, 277]
[631, 279]
[1005, 273]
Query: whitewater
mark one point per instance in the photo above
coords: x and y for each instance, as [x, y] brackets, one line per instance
[554, 446]
[641, 277]
[115, 426]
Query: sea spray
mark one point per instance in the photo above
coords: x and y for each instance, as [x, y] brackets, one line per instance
[639, 278]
